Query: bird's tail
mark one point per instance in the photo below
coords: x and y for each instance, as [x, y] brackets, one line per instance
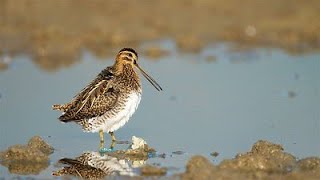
[58, 107]
[68, 117]
[64, 108]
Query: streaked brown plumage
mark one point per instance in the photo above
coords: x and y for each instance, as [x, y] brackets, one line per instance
[110, 99]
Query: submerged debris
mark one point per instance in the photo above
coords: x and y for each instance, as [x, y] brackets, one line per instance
[27, 159]
[265, 161]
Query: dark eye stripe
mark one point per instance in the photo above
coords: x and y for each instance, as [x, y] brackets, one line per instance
[127, 59]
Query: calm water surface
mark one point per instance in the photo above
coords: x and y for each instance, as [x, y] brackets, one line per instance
[223, 105]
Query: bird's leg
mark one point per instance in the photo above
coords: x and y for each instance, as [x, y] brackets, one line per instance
[101, 136]
[102, 149]
[112, 137]
[101, 139]
[113, 143]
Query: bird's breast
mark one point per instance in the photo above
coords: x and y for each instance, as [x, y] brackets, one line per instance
[118, 115]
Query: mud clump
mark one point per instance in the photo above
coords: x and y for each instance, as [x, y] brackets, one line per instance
[27, 159]
[265, 161]
[199, 167]
[264, 156]
[153, 171]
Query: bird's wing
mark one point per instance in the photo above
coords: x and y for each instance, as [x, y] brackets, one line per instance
[94, 99]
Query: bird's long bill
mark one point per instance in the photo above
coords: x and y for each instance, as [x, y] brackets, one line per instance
[149, 78]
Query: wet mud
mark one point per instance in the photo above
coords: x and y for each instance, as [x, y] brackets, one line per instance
[27, 159]
[266, 160]
[54, 33]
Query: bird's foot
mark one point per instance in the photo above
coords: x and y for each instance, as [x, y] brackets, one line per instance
[105, 150]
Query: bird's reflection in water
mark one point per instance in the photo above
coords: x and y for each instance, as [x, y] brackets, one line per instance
[93, 165]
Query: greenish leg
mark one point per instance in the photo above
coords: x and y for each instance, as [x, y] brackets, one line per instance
[113, 142]
[101, 136]
[112, 136]
[101, 139]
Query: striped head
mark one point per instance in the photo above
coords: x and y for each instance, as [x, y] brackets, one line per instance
[130, 56]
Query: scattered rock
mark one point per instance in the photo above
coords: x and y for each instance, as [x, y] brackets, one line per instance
[27, 159]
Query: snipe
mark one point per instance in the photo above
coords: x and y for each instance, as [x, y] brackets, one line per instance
[108, 102]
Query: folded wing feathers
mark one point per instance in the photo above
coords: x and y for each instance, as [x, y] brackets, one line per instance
[87, 96]
[93, 94]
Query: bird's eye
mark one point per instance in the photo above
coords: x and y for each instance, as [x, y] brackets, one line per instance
[130, 55]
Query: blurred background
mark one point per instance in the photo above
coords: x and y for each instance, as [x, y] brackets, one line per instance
[54, 33]
[233, 73]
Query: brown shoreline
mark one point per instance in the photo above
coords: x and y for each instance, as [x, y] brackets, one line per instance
[54, 33]
[265, 160]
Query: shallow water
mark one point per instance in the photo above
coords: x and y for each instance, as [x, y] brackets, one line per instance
[224, 105]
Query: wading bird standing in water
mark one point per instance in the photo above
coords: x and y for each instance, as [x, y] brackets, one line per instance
[108, 102]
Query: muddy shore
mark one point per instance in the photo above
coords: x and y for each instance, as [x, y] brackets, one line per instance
[265, 160]
[54, 33]
[31, 158]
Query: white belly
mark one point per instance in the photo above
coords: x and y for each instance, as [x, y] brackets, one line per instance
[113, 123]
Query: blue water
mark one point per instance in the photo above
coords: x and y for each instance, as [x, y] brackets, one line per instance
[224, 105]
